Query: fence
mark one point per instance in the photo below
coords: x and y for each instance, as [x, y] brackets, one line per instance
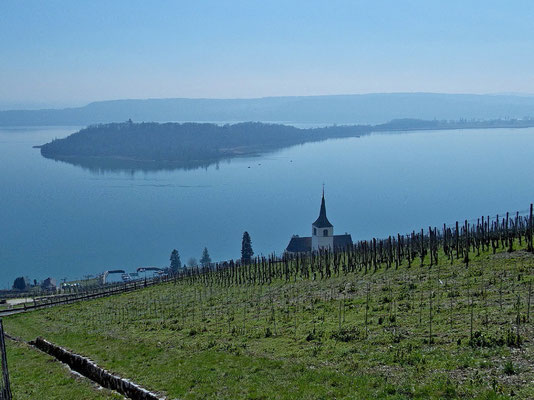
[5, 391]
[457, 241]
[107, 290]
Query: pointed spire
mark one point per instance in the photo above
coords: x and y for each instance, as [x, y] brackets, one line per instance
[322, 221]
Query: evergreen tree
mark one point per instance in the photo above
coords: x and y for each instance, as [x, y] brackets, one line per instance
[205, 261]
[246, 248]
[20, 283]
[176, 263]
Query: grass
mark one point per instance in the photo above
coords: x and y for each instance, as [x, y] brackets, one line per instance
[35, 375]
[442, 332]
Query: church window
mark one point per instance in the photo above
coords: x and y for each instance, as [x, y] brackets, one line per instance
[315, 231]
[325, 232]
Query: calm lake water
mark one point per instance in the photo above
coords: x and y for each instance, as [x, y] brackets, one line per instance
[63, 220]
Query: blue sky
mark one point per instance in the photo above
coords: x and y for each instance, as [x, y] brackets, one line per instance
[62, 53]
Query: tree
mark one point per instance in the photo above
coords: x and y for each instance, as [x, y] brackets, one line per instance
[20, 283]
[176, 264]
[192, 262]
[246, 248]
[205, 261]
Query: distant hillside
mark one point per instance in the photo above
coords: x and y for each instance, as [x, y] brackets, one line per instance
[340, 109]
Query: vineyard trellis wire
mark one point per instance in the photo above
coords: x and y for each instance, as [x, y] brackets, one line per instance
[5, 390]
[457, 242]
[401, 300]
[350, 294]
[404, 295]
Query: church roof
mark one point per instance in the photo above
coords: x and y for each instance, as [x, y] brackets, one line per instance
[303, 244]
[322, 221]
[299, 244]
[342, 241]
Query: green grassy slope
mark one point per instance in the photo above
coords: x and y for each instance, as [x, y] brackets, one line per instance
[35, 375]
[444, 331]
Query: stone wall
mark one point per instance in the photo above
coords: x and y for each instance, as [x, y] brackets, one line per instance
[89, 369]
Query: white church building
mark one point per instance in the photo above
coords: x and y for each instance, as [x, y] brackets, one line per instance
[322, 236]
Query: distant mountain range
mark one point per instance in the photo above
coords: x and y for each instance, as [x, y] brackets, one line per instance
[340, 109]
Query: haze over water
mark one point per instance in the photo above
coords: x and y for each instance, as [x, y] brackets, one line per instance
[61, 220]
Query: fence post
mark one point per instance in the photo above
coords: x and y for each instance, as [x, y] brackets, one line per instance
[530, 229]
[5, 391]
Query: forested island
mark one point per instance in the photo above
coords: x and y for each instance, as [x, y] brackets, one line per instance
[186, 142]
[195, 144]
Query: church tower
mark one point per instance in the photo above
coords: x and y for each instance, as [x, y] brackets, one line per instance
[322, 230]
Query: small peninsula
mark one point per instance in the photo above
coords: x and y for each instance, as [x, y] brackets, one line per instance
[186, 144]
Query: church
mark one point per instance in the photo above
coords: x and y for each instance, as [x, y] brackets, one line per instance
[322, 236]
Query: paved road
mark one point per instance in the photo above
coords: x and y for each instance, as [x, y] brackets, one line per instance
[5, 313]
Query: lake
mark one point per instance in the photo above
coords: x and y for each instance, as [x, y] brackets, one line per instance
[66, 221]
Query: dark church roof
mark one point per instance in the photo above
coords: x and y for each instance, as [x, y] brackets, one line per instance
[322, 221]
[299, 244]
[342, 241]
[303, 244]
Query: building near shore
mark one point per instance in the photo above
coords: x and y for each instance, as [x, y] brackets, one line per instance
[322, 237]
[49, 284]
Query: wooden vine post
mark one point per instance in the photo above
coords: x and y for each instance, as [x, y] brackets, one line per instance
[5, 390]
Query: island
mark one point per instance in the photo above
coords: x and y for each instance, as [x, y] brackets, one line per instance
[152, 145]
[183, 143]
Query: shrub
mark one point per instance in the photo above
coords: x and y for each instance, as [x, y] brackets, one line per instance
[509, 368]
[347, 334]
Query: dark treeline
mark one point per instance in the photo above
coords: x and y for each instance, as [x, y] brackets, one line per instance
[200, 143]
[188, 142]
[409, 124]
[459, 242]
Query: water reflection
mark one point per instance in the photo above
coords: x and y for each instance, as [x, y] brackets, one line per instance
[102, 166]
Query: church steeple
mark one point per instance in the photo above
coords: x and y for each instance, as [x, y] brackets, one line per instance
[322, 237]
[322, 221]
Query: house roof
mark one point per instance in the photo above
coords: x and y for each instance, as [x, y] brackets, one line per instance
[322, 221]
[303, 244]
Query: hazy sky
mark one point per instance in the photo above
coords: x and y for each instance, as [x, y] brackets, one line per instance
[55, 53]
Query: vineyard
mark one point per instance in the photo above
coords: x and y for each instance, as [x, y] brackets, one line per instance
[438, 313]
